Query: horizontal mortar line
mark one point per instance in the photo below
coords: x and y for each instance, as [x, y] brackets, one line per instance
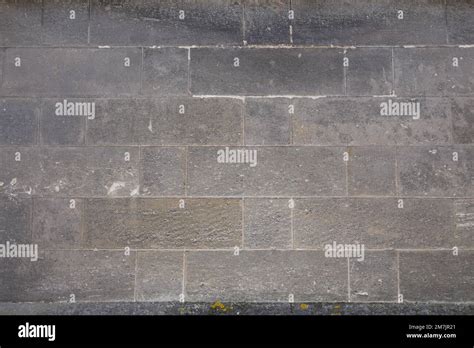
[237, 45]
[231, 249]
[126, 145]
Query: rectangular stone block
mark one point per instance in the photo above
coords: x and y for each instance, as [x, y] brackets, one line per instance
[65, 22]
[166, 121]
[265, 276]
[69, 171]
[15, 220]
[90, 276]
[436, 170]
[57, 223]
[20, 22]
[168, 22]
[64, 129]
[373, 22]
[267, 224]
[161, 223]
[437, 276]
[375, 278]
[359, 121]
[266, 71]
[267, 22]
[462, 110]
[162, 171]
[159, 276]
[369, 71]
[464, 223]
[19, 121]
[371, 171]
[434, 71]
[267, 121]
[71, 71]
[165, 71]
[375, 222]
[460, 22]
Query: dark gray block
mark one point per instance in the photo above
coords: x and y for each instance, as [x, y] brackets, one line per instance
[57, 223]
[358, 121]
[65, 22]
[88, 275]
[165, 71]
[375, 222]
[267, 21]
[71, 71]
[163, 171]
[61, 130]
[159, 122]
[430, 71]
[369, 71]
[159, 276]
[460, 21]
[464, 223]
[431, 171]
[15, 220]
[19, 121]
[146, 22]
[265, 276]
[70, 171]
[371, 171]
[267, 121]
[372, 22]
[264, 71]
[462, 110]
[20, 22]
[375, 278]
[161, 223]
[437, 276]
[267, 223]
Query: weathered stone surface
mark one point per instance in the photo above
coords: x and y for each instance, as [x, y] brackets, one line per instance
[159, 276]
[265, 276]
[162, 171]
[464, 223]
[146, 22]
[267, 21]
[266, 71]
[57, 223]
[437, 276]
[15, 220]
[61, 130]
[20, 22]
[462, 110]
[433, 171]
[375, 278]
[88, 275]
[18, 121]
[161, 223]
[71, 71]
[375, 222]
[267, 224]
[460, 22]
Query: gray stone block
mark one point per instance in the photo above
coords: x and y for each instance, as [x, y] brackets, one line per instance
[377, 223]
[65, 22]
[267, 21]
[462, 110]
[267, 224]
[266, 71]
[369, 22]
[71, 71]
[464, 223]
[15, 220]
[57, 223]
[460, 22]
[61, 129]
[159, 276]
[18, 121]
[432, 171]
[20, 22]
[161, 223]
[437, 276]
[162, 171]
[265, 276]
[146, 22]
[267, 121]
[375, 278]
[371, 171]
[88, 275]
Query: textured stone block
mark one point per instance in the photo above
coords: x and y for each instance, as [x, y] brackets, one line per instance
[267, 21]
[15, 220]
[61, 129]
[18, 121]
[20, 22]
